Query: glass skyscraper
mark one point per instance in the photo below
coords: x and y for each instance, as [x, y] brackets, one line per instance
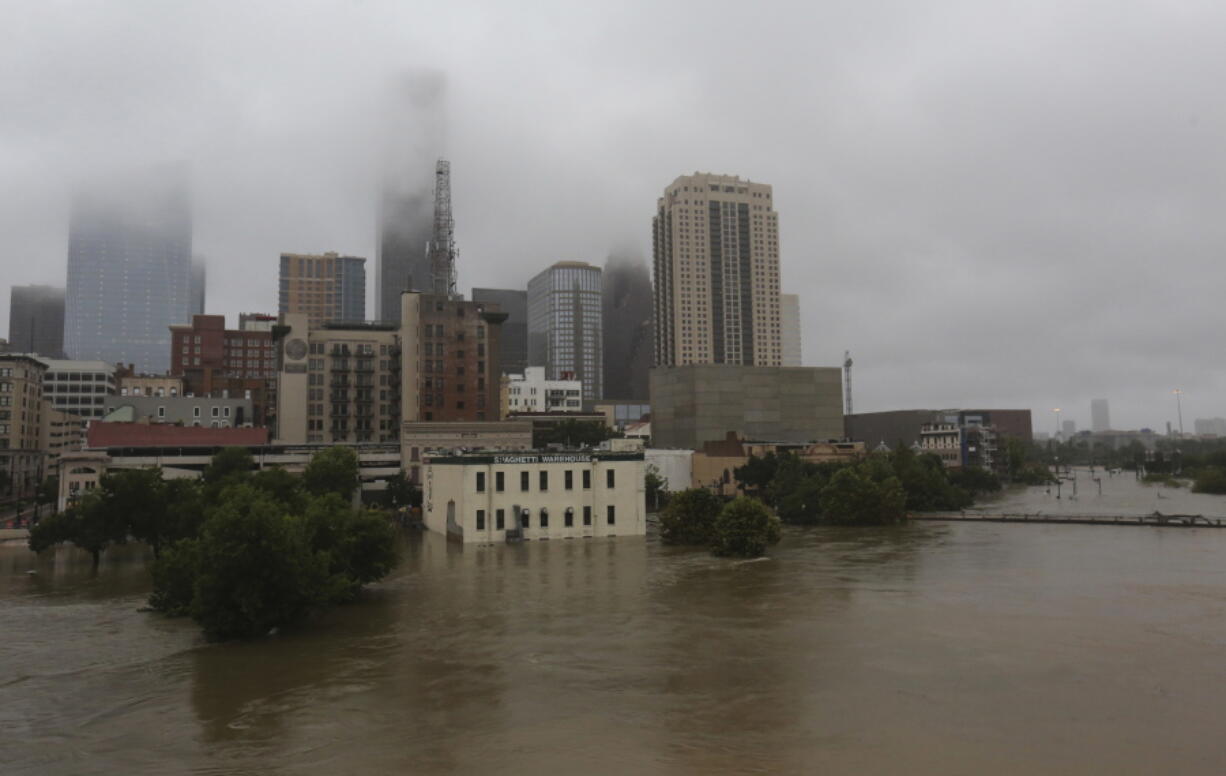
[564, 325]
[129, 270]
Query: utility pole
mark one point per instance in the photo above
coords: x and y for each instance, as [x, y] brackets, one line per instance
[1179, 408]
[441, 249]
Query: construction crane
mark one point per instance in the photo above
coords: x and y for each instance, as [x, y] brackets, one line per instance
[441, 249]
[847, 381]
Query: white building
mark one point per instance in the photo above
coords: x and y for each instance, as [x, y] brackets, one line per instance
[490, 497]
[79, 387]
[532, 392]
[789, 329]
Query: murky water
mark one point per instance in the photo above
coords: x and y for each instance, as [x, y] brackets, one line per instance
[929, 649]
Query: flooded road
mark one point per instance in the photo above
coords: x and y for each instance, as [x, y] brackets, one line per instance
[928, 649]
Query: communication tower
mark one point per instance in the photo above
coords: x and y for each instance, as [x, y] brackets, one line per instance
[441, 249]
[847, 381]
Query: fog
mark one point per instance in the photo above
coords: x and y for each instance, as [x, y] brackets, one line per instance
[989, 204]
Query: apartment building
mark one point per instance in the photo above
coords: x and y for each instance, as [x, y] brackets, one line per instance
[21, 419]
[326, 287]
[78, 387]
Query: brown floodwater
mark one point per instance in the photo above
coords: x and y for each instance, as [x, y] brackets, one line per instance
[928, 649]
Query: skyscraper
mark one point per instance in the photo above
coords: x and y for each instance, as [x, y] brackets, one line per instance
[129, 269]
[626, 327]
[564, 325]
[1100, 415]
[326, 287]
[789, 329]
[513, 357]
[414, 122]
[198, 285]
[36, 320]
[716, 267]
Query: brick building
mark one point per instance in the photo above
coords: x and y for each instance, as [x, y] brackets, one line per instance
[215, 361]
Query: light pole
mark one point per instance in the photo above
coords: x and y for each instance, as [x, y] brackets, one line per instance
[1179, 408]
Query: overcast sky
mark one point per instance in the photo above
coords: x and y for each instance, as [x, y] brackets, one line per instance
[988, 203]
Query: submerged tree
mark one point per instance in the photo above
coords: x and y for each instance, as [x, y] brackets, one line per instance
[745, 528]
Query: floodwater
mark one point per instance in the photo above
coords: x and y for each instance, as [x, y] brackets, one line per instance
[936, 648]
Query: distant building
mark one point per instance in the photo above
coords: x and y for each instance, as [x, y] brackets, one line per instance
[626, 328]
[513, 358]
[1100, 415]
[350, 382]
[620, 413]
[692, 405]
[199, 272]
[212, 360]
[79, 387]
[1068, 428]
[36, 321]
[129, 270]
[715, 464]
[62, 433]
[904, 426]
[789, 329]
[716, 273]
[488, 497]
[1215, 427]
[564, 324]
[532, 392]
[203, 411]
[421, 439]
[325, 288]
[21, 424]
[962, 446]
[148, 385]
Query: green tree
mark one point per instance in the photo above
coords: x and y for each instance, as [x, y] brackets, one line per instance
[654, 485]
[88, 524]
[360, 545]
[332, 470]
[174, 578]
[745, 528]
[401, 492]
[572, 433]
[255, 569]
[48, 493]
[283, 487]
[229, 465]
[853, 498]
[1209, 479]
[136, 499]
[975, 480]
[756, 474]
[689, 517]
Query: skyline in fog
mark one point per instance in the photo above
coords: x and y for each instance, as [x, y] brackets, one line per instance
[1012, 205]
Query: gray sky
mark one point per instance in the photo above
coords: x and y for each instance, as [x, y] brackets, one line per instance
[1006, 203]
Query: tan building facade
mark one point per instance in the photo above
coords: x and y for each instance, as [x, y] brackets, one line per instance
[489, 497]
[21, 418]
[716, 273]
[325, 287]
[150, 385]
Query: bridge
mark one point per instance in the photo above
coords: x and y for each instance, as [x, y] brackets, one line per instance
[1152, 519]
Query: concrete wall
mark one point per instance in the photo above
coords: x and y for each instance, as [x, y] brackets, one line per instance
[675, 466]
[699, 403]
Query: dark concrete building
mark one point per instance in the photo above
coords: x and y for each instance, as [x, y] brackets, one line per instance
[565, 334]
[36, 321]
[513, 358]
[699, 403]
[129, 269]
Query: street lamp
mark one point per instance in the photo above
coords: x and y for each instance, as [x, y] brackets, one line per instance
[1179, 408]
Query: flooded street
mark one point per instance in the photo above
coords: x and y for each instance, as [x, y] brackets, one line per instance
[928, 649]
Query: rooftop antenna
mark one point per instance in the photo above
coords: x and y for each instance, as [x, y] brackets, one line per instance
[847, 381]
[441, 249]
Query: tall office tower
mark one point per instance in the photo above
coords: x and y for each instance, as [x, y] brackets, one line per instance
[1068, 428]
[513, 358]
[325, 288]
[414, 122]
[716, 245]
[626, 327]
[198, 284]
[1100, 415]
[129, 269]
[564, 325]
[789, 329]
[36, 320]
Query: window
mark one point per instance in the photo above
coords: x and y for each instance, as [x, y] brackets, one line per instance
[195, 412]
[161, 412]
[608, 478]
[499, 481]
[587, 515]
[587, 479]
[569, 518]
[570, 480]
[524, 517]
[480, 519]
[480, 482]
[215, 412]
[609, 511]
[544, 480]
[544, 518]
[523, 480]
[500, 519]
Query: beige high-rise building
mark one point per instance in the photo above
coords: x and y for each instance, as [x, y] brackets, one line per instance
[716, 267]
[21, 420]
[325, 288]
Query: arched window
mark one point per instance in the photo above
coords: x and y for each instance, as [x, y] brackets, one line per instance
[544, 518]
[569, 518]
